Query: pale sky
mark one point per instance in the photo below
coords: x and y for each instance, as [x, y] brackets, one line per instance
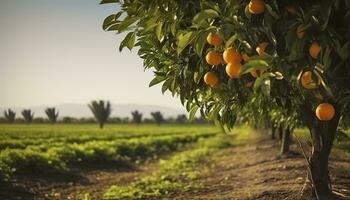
[55, 51]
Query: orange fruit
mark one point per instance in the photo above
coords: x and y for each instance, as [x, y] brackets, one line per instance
[314, 50]
[291, 9]
[256, 73]
[213, 58]
[231, 55]
[256, 6]
[325, 112]
[300, 33]
[307, 82]
[214, 39]
[211, 79]
[261, 48]
[232, 69]
[245, 57]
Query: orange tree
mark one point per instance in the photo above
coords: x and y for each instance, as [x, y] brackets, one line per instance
[260, 111]
[294, 52]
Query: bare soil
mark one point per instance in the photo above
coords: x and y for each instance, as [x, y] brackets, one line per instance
[92, 181]
[255, 171]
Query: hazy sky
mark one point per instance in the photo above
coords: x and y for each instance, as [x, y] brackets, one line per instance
[55, 51]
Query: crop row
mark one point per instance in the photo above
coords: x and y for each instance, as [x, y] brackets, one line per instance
[58, 159]
[21, 137]
[175, 173]
[42, 143]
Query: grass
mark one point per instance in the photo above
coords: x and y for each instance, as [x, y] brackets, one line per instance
[342, 143]
[177, 172]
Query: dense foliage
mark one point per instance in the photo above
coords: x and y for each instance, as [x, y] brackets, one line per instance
[173, 43]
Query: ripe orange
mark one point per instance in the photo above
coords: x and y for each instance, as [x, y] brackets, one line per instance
[300, 33]
[231, 55]
[261, 48]
[214, 39]
[314, 50]
[211, 79]
[256, 6]
[245, 57]
[307, 82]
[232, 69]
[213, 58]
[325, 112]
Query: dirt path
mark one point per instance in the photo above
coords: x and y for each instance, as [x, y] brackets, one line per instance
[256, 171]
[95, 183]
[80, 183]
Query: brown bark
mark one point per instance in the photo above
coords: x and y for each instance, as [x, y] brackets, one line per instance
[285, 141]
[280, 132]
[322, 134]
[273, 132]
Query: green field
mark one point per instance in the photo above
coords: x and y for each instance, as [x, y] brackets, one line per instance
[341, 142]
[44, 149]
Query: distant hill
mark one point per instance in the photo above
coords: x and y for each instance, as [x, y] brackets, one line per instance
[119, 110]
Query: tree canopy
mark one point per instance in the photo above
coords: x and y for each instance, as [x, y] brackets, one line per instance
[172, 40]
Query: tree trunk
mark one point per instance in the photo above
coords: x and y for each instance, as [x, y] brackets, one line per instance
[101, 125]
[280, 132]
[273, 132]
[285, 141]
[322, 134]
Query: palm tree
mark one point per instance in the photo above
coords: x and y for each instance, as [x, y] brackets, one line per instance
[28, 115]
[10, 115]
[136, 117]
[101, 110]
[52, 114]
[158, 117]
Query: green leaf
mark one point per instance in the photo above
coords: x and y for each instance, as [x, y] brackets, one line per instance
[126, 23]
[150, 24]
[231, 40]
[111, 20]
[247, 47]
[183, 41]
[129, 41]
[253, 65]
[203, 15]
[261, 80]
[200, 43]
[156, 80]
[193, 112]
[109, 1]
[165, 86]
[272, 13]
[196, 77]
[323, 83]
[159, 32]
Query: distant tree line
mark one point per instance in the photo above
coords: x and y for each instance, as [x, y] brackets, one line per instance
[101, 111]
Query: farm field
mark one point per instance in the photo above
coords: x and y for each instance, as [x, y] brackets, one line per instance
[46, 150]
[145, 162]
